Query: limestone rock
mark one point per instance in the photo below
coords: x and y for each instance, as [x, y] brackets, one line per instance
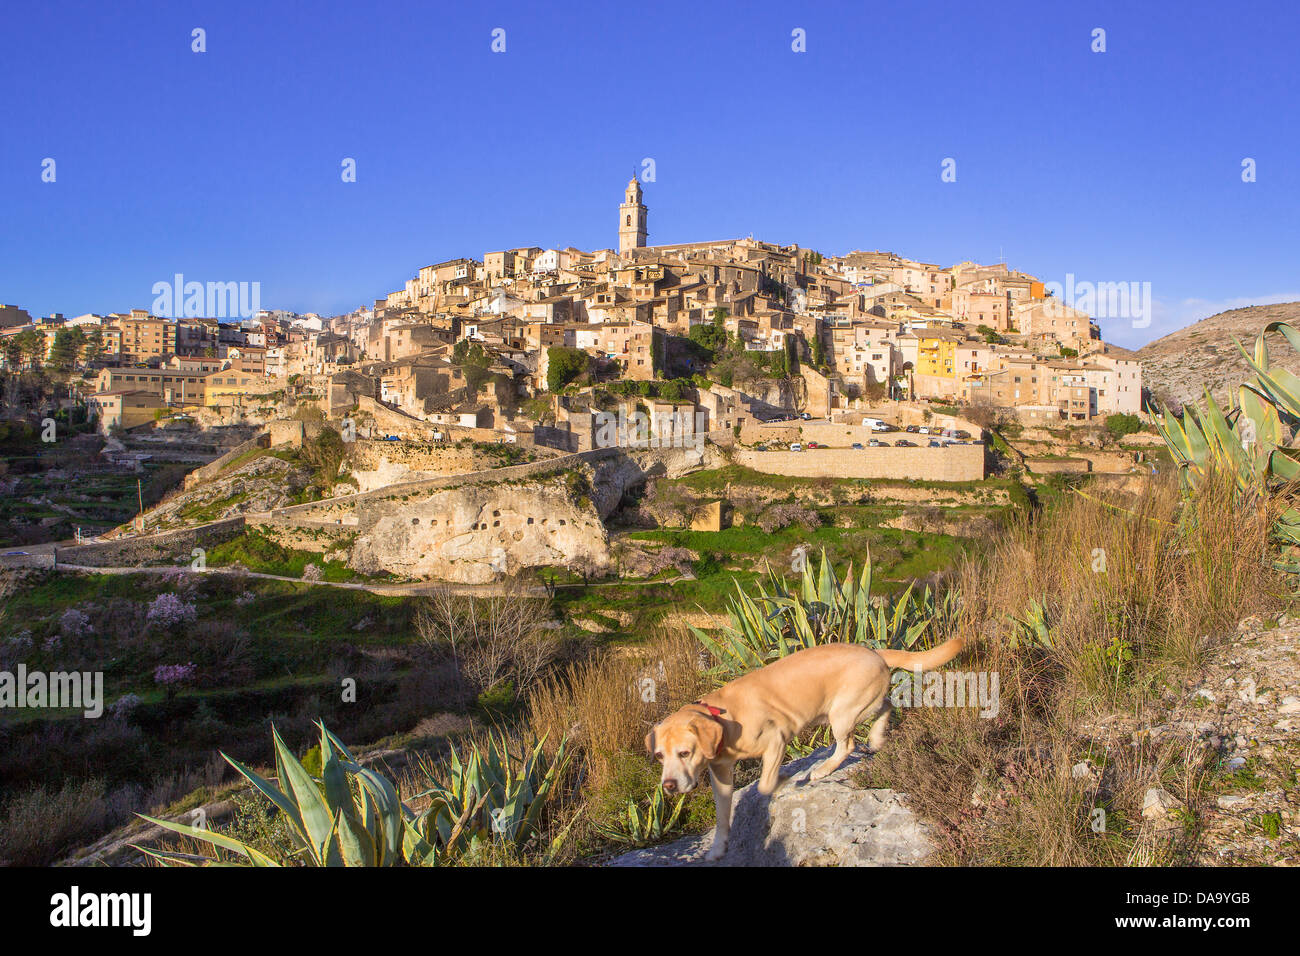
[827, 823]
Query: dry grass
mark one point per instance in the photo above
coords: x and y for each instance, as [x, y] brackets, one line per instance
[36, 824]
[1137, 589]
[607, 704]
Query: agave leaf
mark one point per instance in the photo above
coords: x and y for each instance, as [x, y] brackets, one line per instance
[338, 793]
[317, 820]
[353, 844]
[210, 836]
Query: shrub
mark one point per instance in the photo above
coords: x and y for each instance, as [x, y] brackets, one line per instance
[35, 826]
[564, 365]
[1123, 424]
[167, 611]
[74, 623]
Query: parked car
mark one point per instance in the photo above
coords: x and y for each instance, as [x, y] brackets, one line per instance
[796, 447]
[912, 428]
[935, 444]
[963, 435]
[904, 443]
[813, 444]
[805, 416]
[856, 446]
[875, 443]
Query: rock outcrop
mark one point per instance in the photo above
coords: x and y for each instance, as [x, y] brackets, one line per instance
[828, 823]
[476, 533]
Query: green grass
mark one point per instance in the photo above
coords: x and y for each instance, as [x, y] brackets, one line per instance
[257, 552]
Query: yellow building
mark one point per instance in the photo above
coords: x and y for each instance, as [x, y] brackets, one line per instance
[936, 352]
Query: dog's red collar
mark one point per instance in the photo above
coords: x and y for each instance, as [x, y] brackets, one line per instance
[713, 711]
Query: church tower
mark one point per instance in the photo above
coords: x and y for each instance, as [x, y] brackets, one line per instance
[632, 219]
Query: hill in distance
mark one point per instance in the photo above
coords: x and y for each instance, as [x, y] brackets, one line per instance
[1179, 366]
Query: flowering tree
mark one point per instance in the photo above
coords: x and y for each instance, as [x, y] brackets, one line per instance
[73, 623]
[171, 677]
[167, 610]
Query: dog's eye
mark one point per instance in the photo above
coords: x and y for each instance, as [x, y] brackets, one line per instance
[659, 756]
[683, 754]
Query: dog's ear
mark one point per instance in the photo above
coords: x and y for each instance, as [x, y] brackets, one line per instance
[650, 743]
[709, 734]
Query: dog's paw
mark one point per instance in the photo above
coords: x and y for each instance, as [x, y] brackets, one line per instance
[716, 852]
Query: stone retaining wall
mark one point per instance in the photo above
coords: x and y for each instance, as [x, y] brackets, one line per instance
[152, 548]
[949, 463]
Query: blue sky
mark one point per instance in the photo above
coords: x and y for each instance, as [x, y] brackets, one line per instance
[225, 165]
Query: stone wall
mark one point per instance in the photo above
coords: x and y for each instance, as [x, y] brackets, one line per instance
[213, 468]
[341, 510]
[1058, 466]
[949, 463]
[287, 431]
[151, 549]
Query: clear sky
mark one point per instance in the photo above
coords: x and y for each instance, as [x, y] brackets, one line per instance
[226, 165]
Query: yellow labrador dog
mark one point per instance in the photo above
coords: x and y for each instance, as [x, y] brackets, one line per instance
[757, 715]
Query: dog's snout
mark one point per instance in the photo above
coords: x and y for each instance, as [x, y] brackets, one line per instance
[670, 785]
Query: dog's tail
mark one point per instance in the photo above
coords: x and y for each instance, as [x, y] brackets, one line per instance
[923, 660]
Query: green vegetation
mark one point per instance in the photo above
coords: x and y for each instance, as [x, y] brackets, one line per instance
[564, 365]
[1123, 424]
[255, 551]
[819, 609]
[473, 360]
[1251, 443]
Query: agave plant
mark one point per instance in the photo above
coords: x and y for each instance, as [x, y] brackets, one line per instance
[1030, 629]
[349, 816]
[637, 828]
[1253, 440]
[491, 794]
[820, 609]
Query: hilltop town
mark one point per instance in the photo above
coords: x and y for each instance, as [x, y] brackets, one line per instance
[469, 344]
[777, 359]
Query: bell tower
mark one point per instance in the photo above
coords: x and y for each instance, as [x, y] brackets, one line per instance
[632, 215]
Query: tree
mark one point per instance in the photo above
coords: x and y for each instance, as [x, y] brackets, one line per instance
[32, 346]
[563, 366]
[675, 389]
[712, 337]
[94, 346]
[66, 349]
[473, 361]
